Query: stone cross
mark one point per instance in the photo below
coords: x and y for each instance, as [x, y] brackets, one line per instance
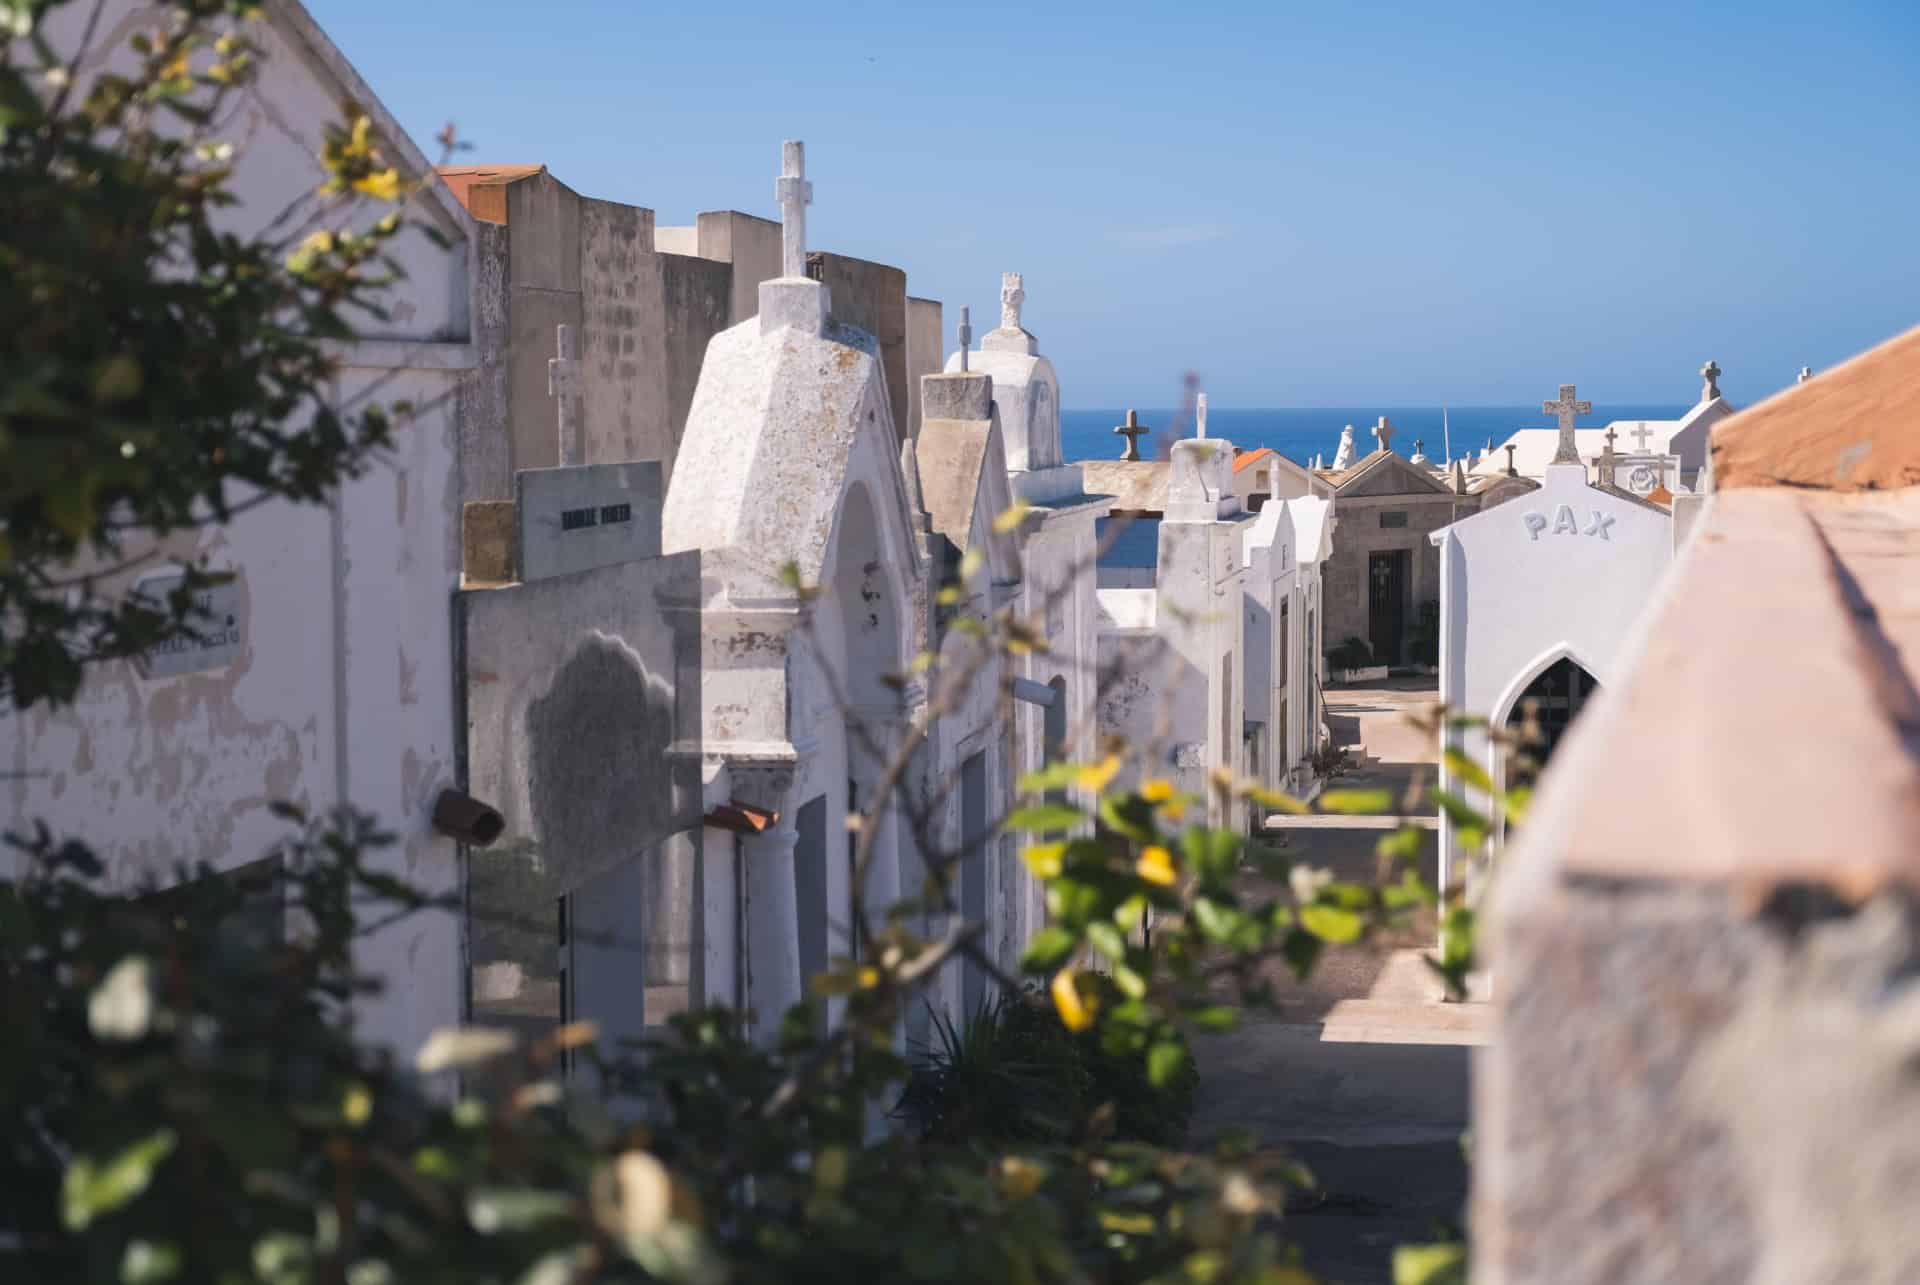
[563, 384]
[795, 194]
[1132, 430]
[966, 336]
[1200, 414]
[1642, 433]
[1806, 373]
[1383, 433]
[1013, 293]
[1568, 410]
[1711, 374]
[1606, 457]
[1511, 470]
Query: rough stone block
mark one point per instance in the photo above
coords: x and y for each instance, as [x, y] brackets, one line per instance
[486, 541]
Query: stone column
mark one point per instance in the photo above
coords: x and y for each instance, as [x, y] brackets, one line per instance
[772, 913]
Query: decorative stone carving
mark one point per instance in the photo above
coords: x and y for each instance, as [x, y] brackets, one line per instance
[1568, 411]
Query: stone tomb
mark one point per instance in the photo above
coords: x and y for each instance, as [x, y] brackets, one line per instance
[575, 519]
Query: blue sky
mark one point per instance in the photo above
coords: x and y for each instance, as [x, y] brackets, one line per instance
[1329, 204]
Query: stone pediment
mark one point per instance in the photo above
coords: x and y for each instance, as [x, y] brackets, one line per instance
[1384, 473]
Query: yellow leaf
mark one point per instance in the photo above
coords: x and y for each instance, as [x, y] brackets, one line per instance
[1094, 779]
[1076, 1010]
[1173, 810]
[381, 186]
[1019, 1178]
[1043, 859]
[1012, 518]
[1156, 866]
[357, 1105]
[1156, 790]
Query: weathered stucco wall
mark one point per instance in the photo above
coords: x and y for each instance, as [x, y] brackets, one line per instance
[623, 335]
[924, 354]
[873, 297]
[751, 245]
[695, 295]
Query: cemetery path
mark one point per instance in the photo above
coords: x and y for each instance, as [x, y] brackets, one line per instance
[1363, 1070]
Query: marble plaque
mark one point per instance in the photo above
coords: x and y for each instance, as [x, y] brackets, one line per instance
[593, 515]
[219, 630]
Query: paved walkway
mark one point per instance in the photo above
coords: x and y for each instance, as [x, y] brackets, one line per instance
[1363, 1071]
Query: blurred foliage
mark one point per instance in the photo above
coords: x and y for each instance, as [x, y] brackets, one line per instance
[159, 371]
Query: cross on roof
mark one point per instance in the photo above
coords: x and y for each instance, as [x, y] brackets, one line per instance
[1200, 414]
[563, 384]
[1132, 430]
[1511, 470]
[1642, 433]
[1383, 433]
[1611, 438]
[795, 194]
[1568, 410]
[1711, 374]
[1013, 294]
[966, 336]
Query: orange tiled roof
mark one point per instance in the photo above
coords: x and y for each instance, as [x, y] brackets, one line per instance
[483, 188]
[1244, 458]
[1854, 428]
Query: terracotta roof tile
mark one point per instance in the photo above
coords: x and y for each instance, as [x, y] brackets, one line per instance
[1853, 428]
[1247, 458]
[482, 189]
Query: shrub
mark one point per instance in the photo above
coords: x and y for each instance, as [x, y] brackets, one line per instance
[1012, 1073]
[1352, 653]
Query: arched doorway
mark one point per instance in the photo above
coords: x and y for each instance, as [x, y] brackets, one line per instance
[1545, 709]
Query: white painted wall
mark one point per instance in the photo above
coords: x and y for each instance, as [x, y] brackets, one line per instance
[1563, 571]
[342, 691]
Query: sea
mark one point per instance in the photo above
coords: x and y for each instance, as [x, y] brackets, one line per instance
[1299, 432]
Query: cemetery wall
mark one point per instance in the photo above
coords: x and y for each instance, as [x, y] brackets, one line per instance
[873, 296]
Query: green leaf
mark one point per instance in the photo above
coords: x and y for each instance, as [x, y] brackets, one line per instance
[1401, 845]
[1045, 817]
[1165, 1061]
[1469, 771]
[147, 1263]
[1054, 776]
[1213, 853]
[1048, 948]
[95, 1187]
[1301, 950]
[499, 1209]
[1131, 816]
[1429, 1265]
[1278, 801]
[1459, 811]
[1356, 802]
[1215, 1017]
[1105, 938]
[1332, 924]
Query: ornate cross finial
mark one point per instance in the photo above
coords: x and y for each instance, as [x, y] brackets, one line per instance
[1568, 410]
[1383, 433]
[795, 194]
[1511, 470]
[1200, 414]
[1611, 438]
[1132, 430]
[1711, 374]
[1806, 373]
[1013, 293]
[1606, 458]
[563, 385]
[966, 336]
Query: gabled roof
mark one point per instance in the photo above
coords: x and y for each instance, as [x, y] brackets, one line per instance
[1381, 466]
[1247, 459]
[1855, 427]
[483, 188]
